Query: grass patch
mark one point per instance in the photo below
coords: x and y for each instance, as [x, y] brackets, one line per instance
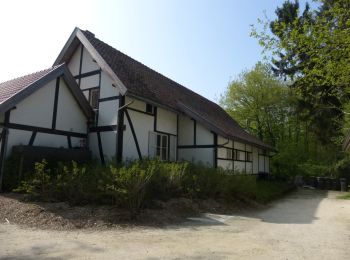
[345, 196]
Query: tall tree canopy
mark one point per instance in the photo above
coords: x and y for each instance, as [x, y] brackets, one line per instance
[259, 102]
[265, 106]
[312, 49]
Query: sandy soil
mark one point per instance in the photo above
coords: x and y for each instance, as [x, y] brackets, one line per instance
[305, 225]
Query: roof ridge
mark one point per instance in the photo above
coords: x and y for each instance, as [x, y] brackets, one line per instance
[149, 68]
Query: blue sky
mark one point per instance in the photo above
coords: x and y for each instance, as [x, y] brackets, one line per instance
[201, 44]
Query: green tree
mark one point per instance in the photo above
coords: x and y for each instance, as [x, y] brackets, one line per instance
[266, 107]
[260, 103]
[312, 48]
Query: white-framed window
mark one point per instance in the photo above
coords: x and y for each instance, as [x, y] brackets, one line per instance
[162, 146]
[228, 153]
[93, 98]
[249, 157]
[240, 155]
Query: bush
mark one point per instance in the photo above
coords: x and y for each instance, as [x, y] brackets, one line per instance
[341, 169]
[136, 184]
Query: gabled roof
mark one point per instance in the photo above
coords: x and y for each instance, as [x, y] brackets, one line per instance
[15, 90]
[135, 79]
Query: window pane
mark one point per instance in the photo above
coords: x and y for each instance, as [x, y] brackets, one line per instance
[94, 96]
[164, 141]
[164, 153]
[172, 155]
[158, 140]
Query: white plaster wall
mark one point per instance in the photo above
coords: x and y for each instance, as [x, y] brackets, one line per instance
[107, 90]
[249, 148]
[226, 165]
[204, 136]
[108, 140]
[93, 146]
[108, 112]
[143, 124]
[74, 62]
[89, 82]
[239, 146]
[239, 166]
[267, 164]
[76, 141]
[203, 155]
[129, 148]
[137, 104]
[255, 160]
[86, 94]
[36, 109]
[88, 63]
[249, 168]
[166, 121]
[17, 137]
[50, 140]
[261, 163]
[222, 152]
[70, 117]
[185, 134]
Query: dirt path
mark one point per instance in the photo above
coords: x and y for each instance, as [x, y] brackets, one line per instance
[305, 225]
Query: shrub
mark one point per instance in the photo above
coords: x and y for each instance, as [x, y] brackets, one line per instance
[40, 184]
[136, 184]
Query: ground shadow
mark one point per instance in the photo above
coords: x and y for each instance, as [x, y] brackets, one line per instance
[298, 207]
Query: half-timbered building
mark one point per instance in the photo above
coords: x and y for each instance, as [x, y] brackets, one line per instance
[96, 97]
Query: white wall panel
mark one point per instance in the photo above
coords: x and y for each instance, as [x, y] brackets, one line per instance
[166, 121]
[224, 164]
[88, 63]
[239, 146]
[74, 62]
[261, 163]
[249, 167]
[255, 160]
[108, 113]
[90, 82]
[69, 114]
[107, 90]
[203, 155]
[204, 136]
[143, 124]
[239, 166]
[109, 140]
[267, 164]
[185, 134]
[137, 104]
[17, 137]
[36, 109]
[93, 146]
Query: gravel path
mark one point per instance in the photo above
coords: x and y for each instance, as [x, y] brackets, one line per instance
[305, 225]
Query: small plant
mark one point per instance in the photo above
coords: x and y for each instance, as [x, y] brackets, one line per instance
[40, 183]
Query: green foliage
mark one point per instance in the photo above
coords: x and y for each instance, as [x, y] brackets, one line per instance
[311, 47]
[136, 185]
[345, 196]
[341, 169]
[260, 102]
[40, 183]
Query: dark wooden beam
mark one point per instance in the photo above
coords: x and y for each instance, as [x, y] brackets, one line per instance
[55, 103]
[133, 134]
[100, 148]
